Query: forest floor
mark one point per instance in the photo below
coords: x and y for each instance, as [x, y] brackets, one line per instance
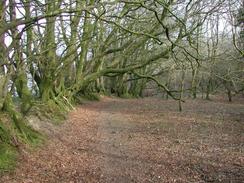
[140, 140]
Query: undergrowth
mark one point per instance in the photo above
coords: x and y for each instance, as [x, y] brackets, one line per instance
[11, 139]
[50, 111]
[16, 132]
[8, 155]
[88, 96]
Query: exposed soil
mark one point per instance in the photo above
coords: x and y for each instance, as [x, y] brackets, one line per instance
[141, 140]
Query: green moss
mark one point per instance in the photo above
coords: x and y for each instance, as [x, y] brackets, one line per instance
[9, 131]
[13, 125]
[4, 133]
[78, 100]
[90, 96]
[8, 155]
[49, 111]
[126, 96]
[8, 152]
[30, 136]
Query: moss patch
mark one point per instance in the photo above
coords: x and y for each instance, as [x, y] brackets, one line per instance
[91, 96]
[127, 96]
[30, 136]
[82, 98]
[9, 132]
[8, 155]
[49, 111]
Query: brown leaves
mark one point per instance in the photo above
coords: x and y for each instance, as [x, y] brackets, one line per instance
[143, 140]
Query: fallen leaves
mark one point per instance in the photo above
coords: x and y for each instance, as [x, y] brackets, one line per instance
[143, 140]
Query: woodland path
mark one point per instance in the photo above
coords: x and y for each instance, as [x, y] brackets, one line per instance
[140, 140]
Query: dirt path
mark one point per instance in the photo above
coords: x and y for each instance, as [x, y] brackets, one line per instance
[144, 140]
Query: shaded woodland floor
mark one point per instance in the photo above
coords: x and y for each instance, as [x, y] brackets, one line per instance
[141, 140]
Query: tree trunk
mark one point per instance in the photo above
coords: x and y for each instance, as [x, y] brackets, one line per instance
[229, 95]
[208, 90]
[181, 89]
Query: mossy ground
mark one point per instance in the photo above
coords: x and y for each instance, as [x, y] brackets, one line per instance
[127, 96]
[7, 152]
[49, 110]
[8, 155]
[83, 98]
[92, 96]
[10, 138]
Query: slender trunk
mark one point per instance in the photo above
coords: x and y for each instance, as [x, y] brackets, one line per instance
[181, 88]
[208, 89]
[229, 95]
[193, 84]
[20, 80]
[84, 44]
[3, 55]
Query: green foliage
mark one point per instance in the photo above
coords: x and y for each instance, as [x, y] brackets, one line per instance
[127, 96]
[13, 132]
[30, 136]
[78, 99]
[8, 155]
[8, 151]
[91, 96]
[4, 134]
[82, 98]
[49, 110]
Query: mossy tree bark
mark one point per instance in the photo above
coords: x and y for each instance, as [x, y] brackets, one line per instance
[20, 76]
